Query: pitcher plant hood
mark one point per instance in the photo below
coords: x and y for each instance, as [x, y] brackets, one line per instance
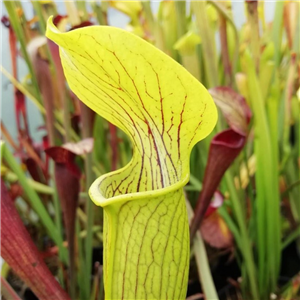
[164, 111]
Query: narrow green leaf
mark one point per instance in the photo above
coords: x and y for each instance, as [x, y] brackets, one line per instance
[208, 43]
[267, 181]
[17, 26]
[204, 272]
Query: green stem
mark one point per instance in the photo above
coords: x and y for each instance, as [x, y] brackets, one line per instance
[181, 18]
[245, 243]
[66, 119]
[82, 266]
[42, 24]
[289, 92]
[209, 50]
[224, 52]
[90, 207]
[58, 223]
[254, 25]
[277, 31]
[37, 186]
[15, 22]
[222, 211]
[203, 268]
[202, 261]
[149, 15]
[38, 10]
[267, 185]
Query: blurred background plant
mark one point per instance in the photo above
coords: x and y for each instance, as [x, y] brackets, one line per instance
[248, 167]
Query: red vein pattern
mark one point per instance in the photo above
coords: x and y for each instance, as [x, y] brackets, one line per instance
[164, 111]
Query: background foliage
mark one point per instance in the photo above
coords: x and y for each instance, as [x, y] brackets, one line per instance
[251, 159]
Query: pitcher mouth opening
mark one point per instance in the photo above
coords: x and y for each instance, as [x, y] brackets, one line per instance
[98, 196]
[113, 187]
